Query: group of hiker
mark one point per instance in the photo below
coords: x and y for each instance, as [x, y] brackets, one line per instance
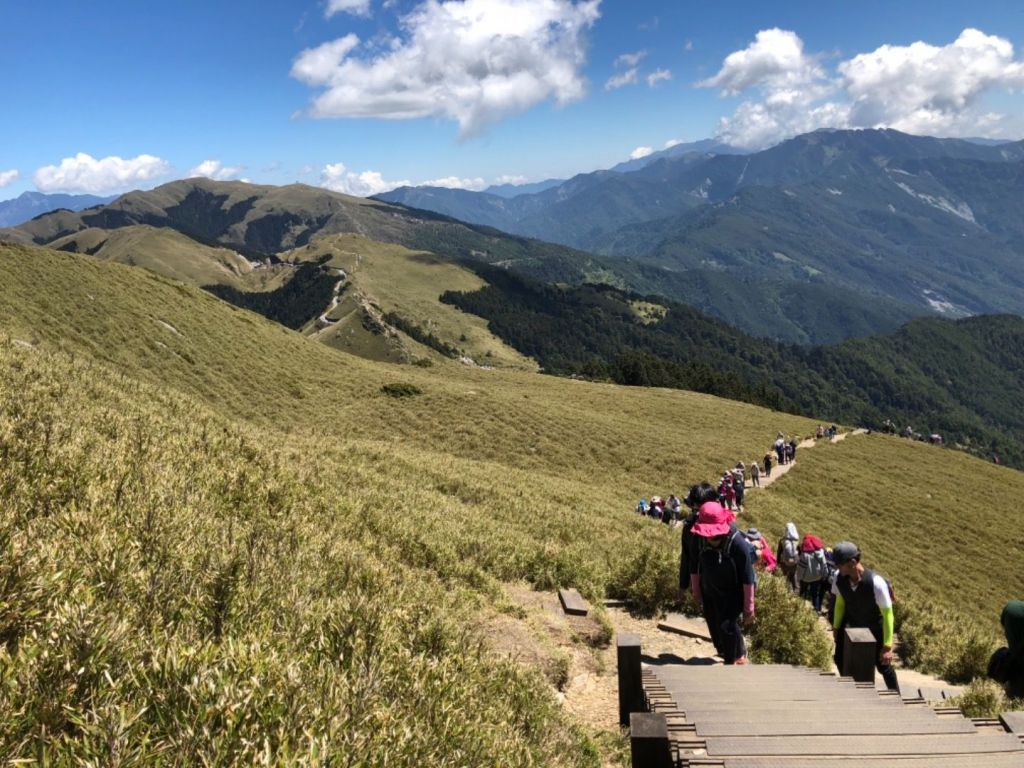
[719, 565]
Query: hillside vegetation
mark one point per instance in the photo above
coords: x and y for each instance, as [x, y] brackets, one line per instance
[225, 541]
[962, 379]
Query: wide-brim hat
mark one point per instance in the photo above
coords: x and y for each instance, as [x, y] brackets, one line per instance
[713, 520]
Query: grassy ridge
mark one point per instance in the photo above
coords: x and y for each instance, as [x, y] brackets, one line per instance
[256, 556]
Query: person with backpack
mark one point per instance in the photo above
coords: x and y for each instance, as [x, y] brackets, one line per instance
[755, 474]
[811, 570]
[698, 495]
[739, 488]
[788, 556]
[1007, 664]
[768, 464]
[863, 599]
[722, 582]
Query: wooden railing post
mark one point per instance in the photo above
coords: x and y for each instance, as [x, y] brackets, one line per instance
[648, 740]
[631, 688]
[859, 655]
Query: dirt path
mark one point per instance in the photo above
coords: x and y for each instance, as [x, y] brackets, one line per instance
[778, 470]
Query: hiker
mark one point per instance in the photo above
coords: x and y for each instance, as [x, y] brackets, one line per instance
[768, 464]
[676, 506]
[1007, 664]
[641, 507]
[726, 491]
[764, 559]
[755, 474]
[657, 507]
[723, 581]
[819, 432]
[792, 449]
[863, 599]
[811, 570]
[739, 488]
[780, 449]
[690, 544]
[788, 556]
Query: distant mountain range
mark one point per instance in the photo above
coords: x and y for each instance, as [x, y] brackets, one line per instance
[827, 236]
[930, 225]
[30, 204]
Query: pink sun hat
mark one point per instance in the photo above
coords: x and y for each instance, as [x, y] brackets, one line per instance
[713, 520]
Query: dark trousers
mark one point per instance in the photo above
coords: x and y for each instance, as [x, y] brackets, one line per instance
[726, 633]
[813, 591]
[885, 670]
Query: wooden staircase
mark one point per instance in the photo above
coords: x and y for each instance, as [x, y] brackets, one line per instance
[778, 716]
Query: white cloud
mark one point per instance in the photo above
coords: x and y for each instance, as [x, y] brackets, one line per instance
[629, 59]
[515, 180]
[657, 76]
[454, 182]
[688, 46]
[355, 7]
[672, 143]
[472, 61]
[622, 79]
[775, 60]
[338, 178]
[919, 88]
[640, 152]
[213, 169]
[6, 177]
[84, 173]
[925, 88]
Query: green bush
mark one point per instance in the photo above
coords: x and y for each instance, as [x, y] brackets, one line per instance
[401, 389]
[982, 698]
[943, 642]
[786, 630]
[649, 579]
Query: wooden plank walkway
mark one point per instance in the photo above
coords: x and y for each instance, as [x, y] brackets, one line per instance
[778, 716]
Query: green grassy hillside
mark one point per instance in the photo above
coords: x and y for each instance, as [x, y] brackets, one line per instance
[409, 284]
[224, 540]
[172, 254]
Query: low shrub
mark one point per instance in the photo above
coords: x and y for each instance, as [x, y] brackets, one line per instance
[649, 579]
[786, 630]
[943, 642]
[982, 698]
[401, 389]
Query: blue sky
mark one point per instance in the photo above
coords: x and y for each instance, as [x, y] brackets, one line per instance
[360, 95]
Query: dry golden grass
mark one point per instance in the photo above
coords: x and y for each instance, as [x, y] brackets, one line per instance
[232, 503]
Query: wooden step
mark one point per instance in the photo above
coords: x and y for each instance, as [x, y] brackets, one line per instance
[572, 603]
[820, 746]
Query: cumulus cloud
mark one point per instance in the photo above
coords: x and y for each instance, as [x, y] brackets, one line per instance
[84, 173]
[355, 7]
[775, 61]
[640, 152]
[657, 76]
[338, 178]
[454, 182]
[672, 143]
[472, 61]
[918, 88]
[515, 180]
[622, 79]
[214, 169]
[926, 88]
[7, 177]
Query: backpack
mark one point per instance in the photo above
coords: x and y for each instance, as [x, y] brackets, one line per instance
[815, 568]
[725, 551]
[788, 555]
